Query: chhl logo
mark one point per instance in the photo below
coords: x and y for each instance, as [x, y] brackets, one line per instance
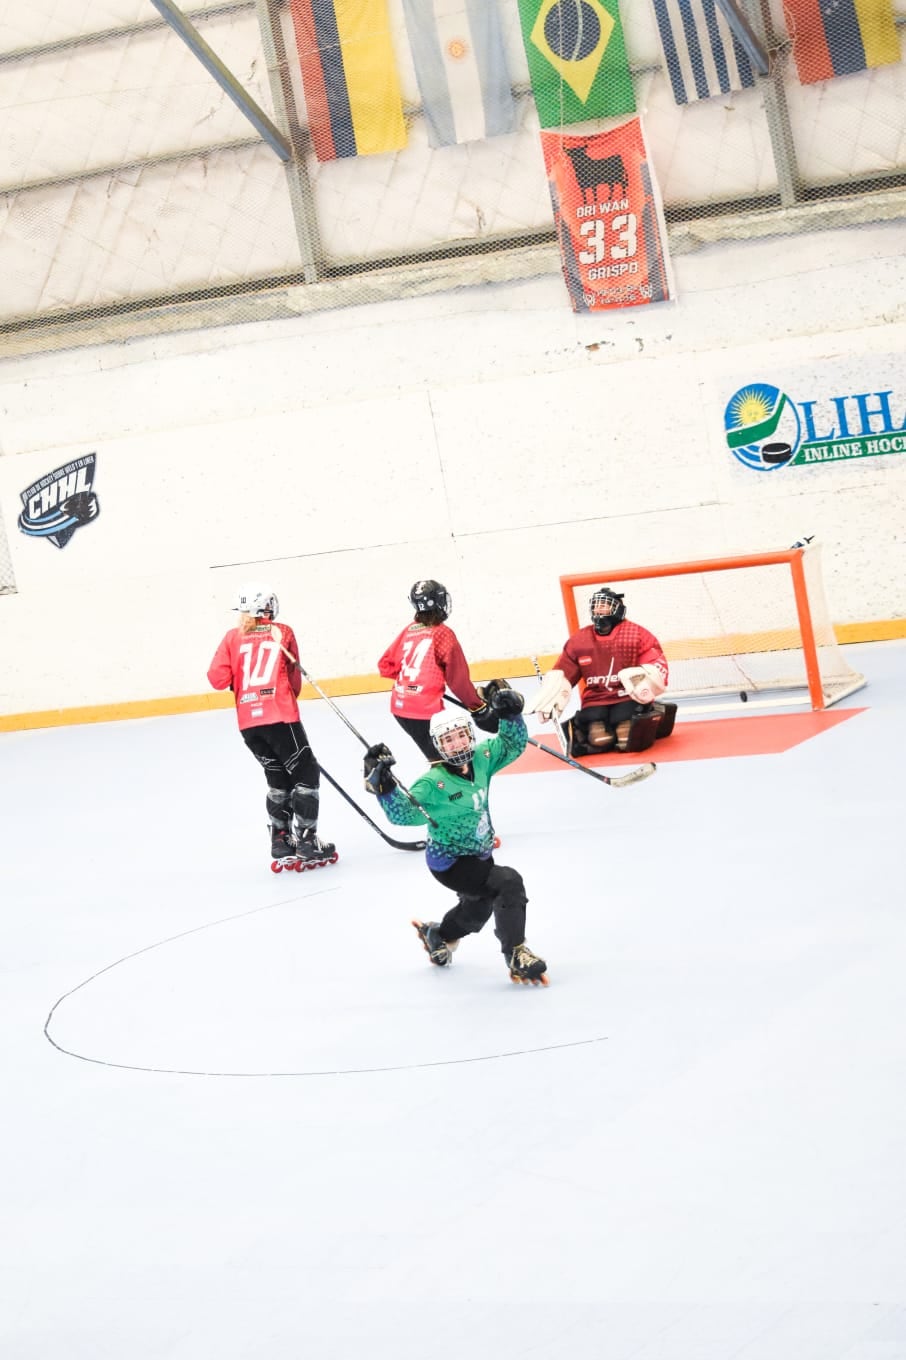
[61, 502]
[766, 430]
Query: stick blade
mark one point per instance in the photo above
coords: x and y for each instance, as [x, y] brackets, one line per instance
[620, 781]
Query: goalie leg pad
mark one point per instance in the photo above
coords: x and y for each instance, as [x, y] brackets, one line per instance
[576, 742]
[600, 736]
[638, 732]
[667, 714]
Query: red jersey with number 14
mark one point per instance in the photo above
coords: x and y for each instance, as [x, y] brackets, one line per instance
[265, 683]
[423, 661]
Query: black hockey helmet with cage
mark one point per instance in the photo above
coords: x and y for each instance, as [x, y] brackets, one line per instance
[607, 610]
[429, 596]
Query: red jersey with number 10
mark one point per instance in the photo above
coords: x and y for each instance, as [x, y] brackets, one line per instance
[265, 683]
[423, 661]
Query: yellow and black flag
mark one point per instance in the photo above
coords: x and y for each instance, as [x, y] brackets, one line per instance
[577, 60]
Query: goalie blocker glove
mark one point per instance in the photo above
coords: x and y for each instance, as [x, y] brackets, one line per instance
[644, 683]
[378, 775]
[552, 697]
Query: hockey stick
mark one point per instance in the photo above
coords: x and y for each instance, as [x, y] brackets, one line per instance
[397, 845]
[277, 636]
[561, 739]
[616, 781]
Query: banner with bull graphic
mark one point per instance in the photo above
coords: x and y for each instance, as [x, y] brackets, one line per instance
[609, 220]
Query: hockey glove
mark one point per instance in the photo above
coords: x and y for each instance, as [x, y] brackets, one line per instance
[484, 717]
[378, 776]
[504, 701]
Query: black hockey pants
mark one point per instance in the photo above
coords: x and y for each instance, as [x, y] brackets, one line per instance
[484, 888]
[292, 773]
[418, 730]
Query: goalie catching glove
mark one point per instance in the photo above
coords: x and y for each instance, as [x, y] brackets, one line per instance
[378, 775]
[645, 684]
[552, 697]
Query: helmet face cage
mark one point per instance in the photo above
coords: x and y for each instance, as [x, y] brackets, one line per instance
[607, 610]
[257, 601]
[444, 726]
[428, 595]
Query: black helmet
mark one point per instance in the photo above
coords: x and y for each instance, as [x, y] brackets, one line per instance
[607, 610]
[426, 596]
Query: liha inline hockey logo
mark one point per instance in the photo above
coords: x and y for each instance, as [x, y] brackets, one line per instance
[61, 502]
[766, 430]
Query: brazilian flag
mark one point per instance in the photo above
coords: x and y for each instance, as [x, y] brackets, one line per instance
[577, 60]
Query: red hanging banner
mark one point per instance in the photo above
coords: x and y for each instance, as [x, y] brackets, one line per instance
[608, 218]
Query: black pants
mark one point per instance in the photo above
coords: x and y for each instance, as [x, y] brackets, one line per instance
[292, 773]
[417, 729]
[484, 888]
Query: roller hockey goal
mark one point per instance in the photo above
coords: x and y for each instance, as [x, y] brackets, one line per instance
[756, 627]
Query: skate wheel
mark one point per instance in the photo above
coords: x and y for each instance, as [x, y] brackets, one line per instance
[496, 842]
[333, 859]
[276, 868]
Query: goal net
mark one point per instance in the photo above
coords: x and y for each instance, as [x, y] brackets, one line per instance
[756, 627]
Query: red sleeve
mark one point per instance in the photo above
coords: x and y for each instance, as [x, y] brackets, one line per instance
[451, 659]
[293, 673]
[651, 653]
[567, 663]
[389, 664]
[220, 671]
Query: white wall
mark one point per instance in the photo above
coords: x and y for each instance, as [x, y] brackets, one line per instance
[486, 437]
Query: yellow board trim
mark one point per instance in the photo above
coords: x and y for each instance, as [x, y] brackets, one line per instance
[878, 630]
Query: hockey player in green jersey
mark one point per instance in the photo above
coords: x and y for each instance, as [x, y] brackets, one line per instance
[452, 799]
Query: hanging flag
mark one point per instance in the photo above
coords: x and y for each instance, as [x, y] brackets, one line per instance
[702, 56]
[352, 90]
[460, 65]
[577, 60]
[608, 217]
[839, 37]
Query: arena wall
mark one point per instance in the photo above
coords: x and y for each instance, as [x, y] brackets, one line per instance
[484, 436]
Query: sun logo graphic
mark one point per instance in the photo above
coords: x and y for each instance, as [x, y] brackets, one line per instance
[762, 427]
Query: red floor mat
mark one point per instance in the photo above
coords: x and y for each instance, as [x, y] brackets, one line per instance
[764, 735]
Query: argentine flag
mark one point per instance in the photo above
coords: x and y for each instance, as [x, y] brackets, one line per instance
[457, 48]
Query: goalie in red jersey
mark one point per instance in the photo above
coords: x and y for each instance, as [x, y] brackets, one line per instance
[422, 661]
[625, 673]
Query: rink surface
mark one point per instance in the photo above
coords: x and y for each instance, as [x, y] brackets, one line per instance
[244, 1119]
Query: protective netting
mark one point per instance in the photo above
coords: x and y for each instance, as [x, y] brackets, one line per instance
[132, 179]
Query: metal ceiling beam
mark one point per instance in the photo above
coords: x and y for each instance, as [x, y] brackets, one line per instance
[225, 78]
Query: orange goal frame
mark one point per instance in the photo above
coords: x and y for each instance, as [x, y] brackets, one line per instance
[792, 557]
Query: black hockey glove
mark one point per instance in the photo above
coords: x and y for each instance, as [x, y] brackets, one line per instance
[378, 776]
[484, 718]
[502, 699]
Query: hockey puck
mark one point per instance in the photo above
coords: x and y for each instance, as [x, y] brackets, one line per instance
[744, 698]
[776, 453]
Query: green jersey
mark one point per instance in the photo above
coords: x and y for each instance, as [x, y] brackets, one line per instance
[458, 803]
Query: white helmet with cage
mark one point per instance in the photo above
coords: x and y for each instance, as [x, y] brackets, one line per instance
[257, 601]
[454, 737]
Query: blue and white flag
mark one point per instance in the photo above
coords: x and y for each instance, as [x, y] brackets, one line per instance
[457, 47]
[703, 58]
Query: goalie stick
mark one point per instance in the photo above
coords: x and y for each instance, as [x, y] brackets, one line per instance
[278, 638]
[397, 845]
[616, 781]
[561, 739]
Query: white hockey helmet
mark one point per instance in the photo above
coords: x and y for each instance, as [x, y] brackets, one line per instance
[256, 600]
[442, 729]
